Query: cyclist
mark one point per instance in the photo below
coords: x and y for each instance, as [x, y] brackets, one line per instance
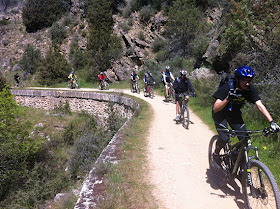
[17, 79]
[133, 77]
[182, 85]
[101, 78]
[72, 76]
[230, 97]
[148, 79]
[166, 78]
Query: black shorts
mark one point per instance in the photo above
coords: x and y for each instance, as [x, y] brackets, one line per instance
[234, 120]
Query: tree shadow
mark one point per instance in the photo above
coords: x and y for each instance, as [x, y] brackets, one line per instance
[231, 189]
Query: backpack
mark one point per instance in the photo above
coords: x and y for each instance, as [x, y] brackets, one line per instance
[227, 79]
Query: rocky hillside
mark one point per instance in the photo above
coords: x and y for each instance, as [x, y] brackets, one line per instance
[136, 39]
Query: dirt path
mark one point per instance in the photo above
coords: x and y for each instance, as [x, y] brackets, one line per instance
[179, 163]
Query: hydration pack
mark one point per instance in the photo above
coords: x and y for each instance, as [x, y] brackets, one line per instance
[227, 79]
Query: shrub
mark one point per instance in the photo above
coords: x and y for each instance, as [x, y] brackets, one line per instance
[161, 56]
[124, 26]
[38, 14]
[57, 33]
[146, 13]
[30, 58]
[2, 82]
[141, 35]
[16, 149]
[77, 55]
[158, 45]
[54, 68]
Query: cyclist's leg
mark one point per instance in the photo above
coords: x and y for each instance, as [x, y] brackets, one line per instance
[177, 99]
[236, 122]
[221, 122]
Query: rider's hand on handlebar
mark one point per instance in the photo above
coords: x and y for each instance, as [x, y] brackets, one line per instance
[274, 126]
[194, 94]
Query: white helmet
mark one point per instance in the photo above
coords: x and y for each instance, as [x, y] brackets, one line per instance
[183, 72]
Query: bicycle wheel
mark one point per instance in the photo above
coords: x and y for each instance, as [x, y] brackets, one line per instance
[217, 165]
[186, 117]
[152, 92]
[107, 86]
[265, 192]
[137, 88]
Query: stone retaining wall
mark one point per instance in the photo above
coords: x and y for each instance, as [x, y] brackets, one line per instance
[93, 102]
[93, 187]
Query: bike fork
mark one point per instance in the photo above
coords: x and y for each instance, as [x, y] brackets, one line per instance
[249, 174]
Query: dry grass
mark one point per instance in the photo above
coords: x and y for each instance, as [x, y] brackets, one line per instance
[127, 184]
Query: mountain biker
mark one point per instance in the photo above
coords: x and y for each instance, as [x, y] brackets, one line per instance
[148, 79]
[166, 78]
[230, 97]
[17, 79]
[72, 76]
[182, 85]
[133, 77]
[101, 78]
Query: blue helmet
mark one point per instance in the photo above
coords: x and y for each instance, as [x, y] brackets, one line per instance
[72, 71]
[149, 72]
[245, 72]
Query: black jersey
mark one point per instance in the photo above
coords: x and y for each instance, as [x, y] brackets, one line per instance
[250, 95]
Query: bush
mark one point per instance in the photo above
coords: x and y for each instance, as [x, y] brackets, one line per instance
[141, 35]
[16, 149]
[161, 56]
[2, 82]
[30, 58]
[158, 45]
[38, 14]
[76, 55]
[54, 68]
[146, 13]
[57, 33]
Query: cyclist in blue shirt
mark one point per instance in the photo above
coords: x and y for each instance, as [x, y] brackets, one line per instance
[148, 79]
[230, 97]
[133, 77]
[166, 78]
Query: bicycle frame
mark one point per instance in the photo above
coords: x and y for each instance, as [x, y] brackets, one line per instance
[243, 146]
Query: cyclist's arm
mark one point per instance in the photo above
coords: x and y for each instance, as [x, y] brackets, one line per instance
[219, 105]
[172, 77]
[263, 110]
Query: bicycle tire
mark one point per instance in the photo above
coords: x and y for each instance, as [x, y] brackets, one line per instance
[131, 88]
[186, 117]
[268, 196]
[137, 88]
[152, 92]
[217, 171]
[107, 86]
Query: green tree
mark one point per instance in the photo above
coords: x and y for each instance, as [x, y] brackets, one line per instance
[183, 24]
[57, 33]
[38, 14]
[54, 68]
[102, 45]
[16, 148]
[30, 59]
[77, 55]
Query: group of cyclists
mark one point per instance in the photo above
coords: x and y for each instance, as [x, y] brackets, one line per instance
[181, 84]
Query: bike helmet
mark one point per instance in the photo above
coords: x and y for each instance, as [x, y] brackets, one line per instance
[183, 72]
[245, 72]
[167, 67]
[72, 71]
[149, 72]
[101, 73]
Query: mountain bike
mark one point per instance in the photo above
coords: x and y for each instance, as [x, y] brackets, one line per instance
[184, 111]
[134, 87]
[104, 85]
[73, 84]
[170, 93]
[149, 90]
[20, 84]
[241, 161]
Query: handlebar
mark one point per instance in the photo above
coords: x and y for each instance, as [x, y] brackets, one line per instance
[265, 132]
